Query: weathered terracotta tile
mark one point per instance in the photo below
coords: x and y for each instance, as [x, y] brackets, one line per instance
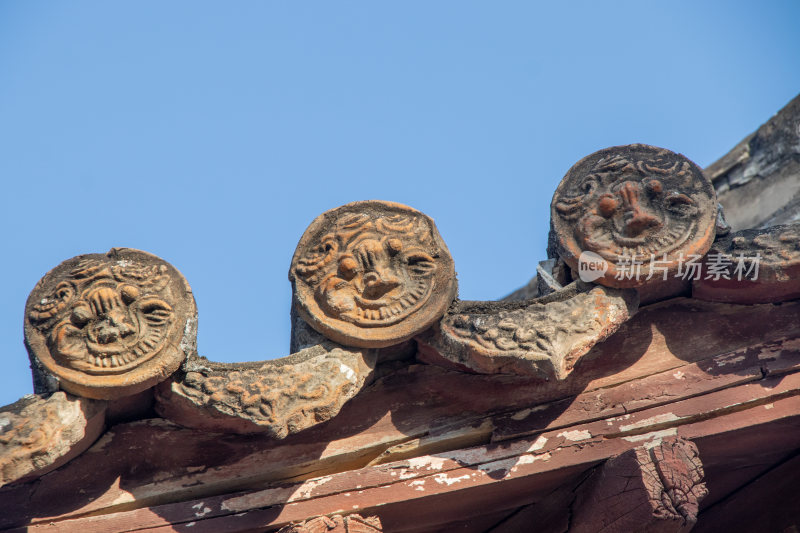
[39, 433]
[277, 397]
[543, 338]
[757, 181]
[110, 325]
[752, 266]
[372, 274]
[638, 210]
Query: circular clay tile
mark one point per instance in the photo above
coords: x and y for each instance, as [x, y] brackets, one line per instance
[110, 325]
[645, 211]
[372, 274]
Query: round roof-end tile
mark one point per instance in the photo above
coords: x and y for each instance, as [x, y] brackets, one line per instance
[372, 274]
[637, 213]
[111, 325]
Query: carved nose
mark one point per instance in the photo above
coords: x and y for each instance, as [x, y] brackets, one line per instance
[636, 218]
[121, 322]
[114, 327]
[378, 282]
[378, 276]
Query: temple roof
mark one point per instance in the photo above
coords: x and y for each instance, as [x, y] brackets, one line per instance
[645, 379]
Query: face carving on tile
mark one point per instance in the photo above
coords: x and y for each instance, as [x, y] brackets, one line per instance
[371, 272]
[362, 270]
[98, 317]
[634, 201]
[99, 321]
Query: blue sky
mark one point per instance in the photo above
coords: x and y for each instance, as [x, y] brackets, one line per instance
[212, 133]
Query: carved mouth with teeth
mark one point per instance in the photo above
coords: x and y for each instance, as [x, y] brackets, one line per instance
[377, 282]
[111, 329]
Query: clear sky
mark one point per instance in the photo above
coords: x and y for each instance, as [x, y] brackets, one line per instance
[212, 133]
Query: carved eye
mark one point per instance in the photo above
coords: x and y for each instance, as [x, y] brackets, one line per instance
[680, 204]
[63, 291]
[589, 185]
[129, 293]
[154, 305]
[348, 267]
[323, 250]
[394, 246]
[156, 312]
[607, 205]
[420, 264]
[654, 187]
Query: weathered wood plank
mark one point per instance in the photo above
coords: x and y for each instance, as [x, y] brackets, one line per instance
[336, 524]
[767, 504]
[496, 476]
[654, 490]
[717, 373]
[550, 515]
[418, 411]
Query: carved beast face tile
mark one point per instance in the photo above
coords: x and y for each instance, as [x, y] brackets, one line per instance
[110, 325]
[632, 204]
[372, 274]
